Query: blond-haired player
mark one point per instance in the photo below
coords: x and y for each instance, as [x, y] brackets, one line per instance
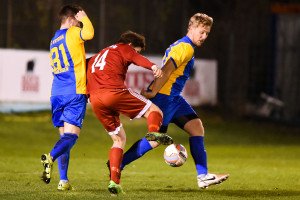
[165, 92]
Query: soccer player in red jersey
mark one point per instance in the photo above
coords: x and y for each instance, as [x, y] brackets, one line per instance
[110, 97]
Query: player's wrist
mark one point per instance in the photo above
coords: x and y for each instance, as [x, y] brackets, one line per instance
[154, 67]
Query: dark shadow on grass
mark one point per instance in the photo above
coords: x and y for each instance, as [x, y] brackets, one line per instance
[230, 193]
[96, 191]
[255, 193]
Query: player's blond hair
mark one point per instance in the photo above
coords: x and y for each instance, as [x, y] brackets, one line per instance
[200, 18]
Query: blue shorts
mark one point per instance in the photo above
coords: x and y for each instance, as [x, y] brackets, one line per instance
[68, 108]
[175, 109]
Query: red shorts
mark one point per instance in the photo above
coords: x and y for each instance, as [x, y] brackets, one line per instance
[108, 104]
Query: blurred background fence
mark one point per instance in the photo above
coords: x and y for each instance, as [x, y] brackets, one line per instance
[256, 43]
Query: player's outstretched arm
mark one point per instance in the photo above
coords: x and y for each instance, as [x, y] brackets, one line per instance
[158, 83]
[87, 31]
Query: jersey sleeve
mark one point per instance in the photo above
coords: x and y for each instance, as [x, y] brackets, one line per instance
[79, 35]
[87, 31]
[132, 56]
[181, 53]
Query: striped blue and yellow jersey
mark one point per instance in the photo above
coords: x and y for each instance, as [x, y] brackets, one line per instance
[67, 58]
[182, 54]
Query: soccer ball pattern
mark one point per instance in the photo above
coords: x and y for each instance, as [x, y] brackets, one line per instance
[175, 155]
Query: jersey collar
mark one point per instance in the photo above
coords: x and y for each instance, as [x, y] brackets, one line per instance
[186, 38]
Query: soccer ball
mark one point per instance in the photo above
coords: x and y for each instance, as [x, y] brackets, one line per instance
[175, 155]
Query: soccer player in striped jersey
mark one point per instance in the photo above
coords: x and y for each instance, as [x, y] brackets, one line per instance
[68, 95]
[109, 97]
[165, 92]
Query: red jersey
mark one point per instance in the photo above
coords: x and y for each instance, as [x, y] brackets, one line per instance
[108, 68]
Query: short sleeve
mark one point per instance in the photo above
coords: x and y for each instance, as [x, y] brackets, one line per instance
[181, 53]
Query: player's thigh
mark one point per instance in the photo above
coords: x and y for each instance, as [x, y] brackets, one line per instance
[132, 104]
[166, 104]
[187, 119]
[108, 117]
[74, 112]
[57, 110]
[68, 108]
[168, 107]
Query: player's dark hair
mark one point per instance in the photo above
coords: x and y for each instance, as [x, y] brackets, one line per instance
[68, 11]
[136, 40]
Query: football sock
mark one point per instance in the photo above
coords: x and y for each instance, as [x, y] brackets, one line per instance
[115, 159]
[136, 151]
[63, 164]
[63, 145]
[154, 121]
[198, 153]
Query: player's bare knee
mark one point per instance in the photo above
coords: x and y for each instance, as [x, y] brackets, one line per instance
[199, 131]
[152, 108]
[118, 140]
[154, 144]
[155, 108]
[119, 143]
[194, 127]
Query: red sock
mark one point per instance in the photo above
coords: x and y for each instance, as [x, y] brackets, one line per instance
[115, 159]
[154, 121]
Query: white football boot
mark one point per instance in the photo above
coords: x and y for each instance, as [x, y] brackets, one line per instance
[210, 179]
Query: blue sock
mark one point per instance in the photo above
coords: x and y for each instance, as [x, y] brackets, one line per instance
[63, 164]
[198, 153]
[63, 145]
[136, 151]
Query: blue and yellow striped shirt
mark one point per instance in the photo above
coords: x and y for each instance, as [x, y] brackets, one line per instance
[67, 57]
[182, 54]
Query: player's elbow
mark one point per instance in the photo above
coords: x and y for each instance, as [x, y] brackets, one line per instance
[91, 35]
[88, 35]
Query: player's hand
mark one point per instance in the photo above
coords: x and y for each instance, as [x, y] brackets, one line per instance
[147, 94]
[80, 15]
[156, 71]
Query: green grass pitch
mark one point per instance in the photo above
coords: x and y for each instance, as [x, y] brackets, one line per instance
[263, 160]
